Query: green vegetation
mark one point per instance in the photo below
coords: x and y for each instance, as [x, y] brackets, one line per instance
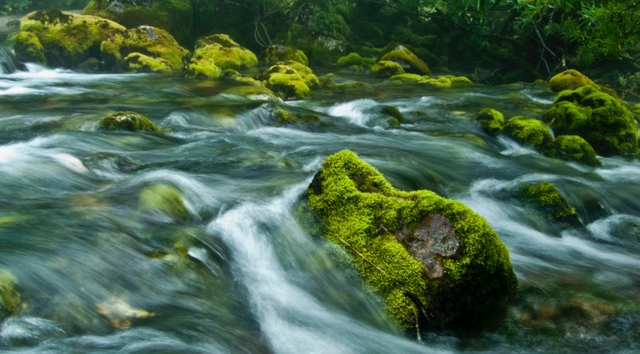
[572, 148]
[415, 243]
[545, 198]
[528, 131]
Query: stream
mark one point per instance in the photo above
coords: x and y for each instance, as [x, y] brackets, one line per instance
[99, 270]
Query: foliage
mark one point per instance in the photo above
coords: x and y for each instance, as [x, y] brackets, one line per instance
[23, 6]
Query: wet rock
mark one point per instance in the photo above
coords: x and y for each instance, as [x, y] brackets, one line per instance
[104, 162]
[413, 247]
[165, 201]
[599, 118]
[408, 60]
[440, 82]
[219, 52]
[545, 198]
[491, 121]
[569, 80]
[387, 68]
[572, 148]
[528, 131]
[62, 39]
[355, 62]
[119, 313]
[10, 299]
[282, 53]
[290, 80]
[287, 117]
[128, 121]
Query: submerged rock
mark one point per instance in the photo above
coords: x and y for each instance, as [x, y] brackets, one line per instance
[413, 248]
[601, 119]
[290, 80]
[164, 200]
[408, 60]
[219, 52]
[62, 39]
[491, 121]
[10, 299]
[144, 48]
[128, 121]
[528, 131]
[282, 53]
[572, 148]
[545, 198]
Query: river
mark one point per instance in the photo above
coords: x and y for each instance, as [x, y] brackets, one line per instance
[101, 271]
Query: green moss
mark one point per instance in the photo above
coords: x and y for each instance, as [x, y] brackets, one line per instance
[546, 199]
[28, 48]
[10, 299]
[387, 68]
[528, 131]
[393, 112]
[409, 61]
[387, 231]
[203, 68]
[355, 62]
[491, 121]
[440, 82]
[281, 53]
[290, 80]
[601, 119]
[569, 80]
[67, 39]
[128, 121]
[149, 41]
[164, 199]
[572, 148]
[286, 117]
[222, 51]
[138, 62]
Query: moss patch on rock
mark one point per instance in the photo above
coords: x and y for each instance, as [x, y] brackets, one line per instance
[281, 53]
[137, 62]
[10, 299]
[528, 131]
[491, 120]
[569, 80]
[413, 245]
[545, 198]
[355, 62]
[601, 119]
[290, 80]
[152, 42]
[221, 51]
[65, 39]
[128, 121]
[408, 60]
[165, 200]
[572, 148]
[387, 68]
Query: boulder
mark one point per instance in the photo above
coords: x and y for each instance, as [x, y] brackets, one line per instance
[144, 48]
[290, 80]
[10, 299]
[387, 68]
[62, 39]
[572, 148]
[440, 82]
[528, 131]
[128, 121]
[280, 53]
[569, 80]
[491, 121]
[545, 199]
[419, 251]
[599, 118]
[219, 52]
[165, 201]
[408, 60]
[355, 62]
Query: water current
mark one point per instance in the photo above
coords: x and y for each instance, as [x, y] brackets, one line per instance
[99, 271]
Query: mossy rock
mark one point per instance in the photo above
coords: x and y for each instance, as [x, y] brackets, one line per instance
[174, 16]
[440, 82]
[220, 51]
[138, 62]
[392, 112]
[413, 247]
[355, 61]
[545, 198]
[387, 68]
[63, 38]
[572, 148]
[28, 48]
[569, 80]
[491, 121]
[165, 200]
[286, 117]
[281, 53]
[150, 42]
[290, 80]
[128, 121]
[528, 131]
[599, 118]
[10, 298]
[408, 60]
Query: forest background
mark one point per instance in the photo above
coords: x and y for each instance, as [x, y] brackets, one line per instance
[498, 41]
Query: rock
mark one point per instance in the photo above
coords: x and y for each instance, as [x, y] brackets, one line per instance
[387, 68]
[287, 117]
[62, 39]
[491, 121]
[528, 131]
[440, 82]
[128, 121]
[153, 49]
[174, 16]
[409, 61]
[599, 118]
[281, 53]
[219, 52]
[119, 313]
[413, 247]
[355, 62]
[545, 198]
[572, 148]
[164, 200]
[569, 80]
[10, 299]
[290, 80]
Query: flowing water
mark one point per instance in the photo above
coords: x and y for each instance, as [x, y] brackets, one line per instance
[100, 270]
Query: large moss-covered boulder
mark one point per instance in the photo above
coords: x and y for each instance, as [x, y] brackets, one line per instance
[408, 60]
[10, 299]
[416, 249]
[355, 62]
[569, 80]
[290, 80]
[174, 16]
[62, 39]
[149, 43]
[528, 131]
[219, 52]
[490, 120]
[572, 148]
[128, 121]
[601, 119]
[387, 68]
[280, 53]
